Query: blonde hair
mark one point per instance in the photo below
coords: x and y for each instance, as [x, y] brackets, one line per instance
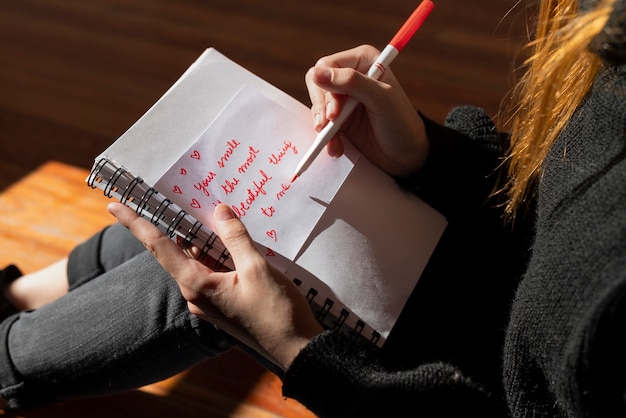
[555, 80]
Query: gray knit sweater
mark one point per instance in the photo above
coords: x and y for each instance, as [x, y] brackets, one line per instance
[539, 335]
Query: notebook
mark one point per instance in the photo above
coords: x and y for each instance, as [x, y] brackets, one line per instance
[349, 237]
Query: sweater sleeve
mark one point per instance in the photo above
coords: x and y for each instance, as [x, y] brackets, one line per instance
[463, 165]
[333, 378]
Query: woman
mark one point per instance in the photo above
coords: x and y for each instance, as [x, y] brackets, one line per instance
[563, 354]
[559, 355]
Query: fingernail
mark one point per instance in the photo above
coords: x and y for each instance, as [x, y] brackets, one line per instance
[317, 120]
[325, 76]
[112, 208]
[329, 108]
[223, 213]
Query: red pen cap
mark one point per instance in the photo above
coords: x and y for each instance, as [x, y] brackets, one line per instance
[412, 24]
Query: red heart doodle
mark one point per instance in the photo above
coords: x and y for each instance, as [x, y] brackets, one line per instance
[177, 190]
[195, 155]
[270, 253]
[183, 172]
[272, 235]
[195, 204]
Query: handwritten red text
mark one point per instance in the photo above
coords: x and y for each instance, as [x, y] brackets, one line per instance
[276, 158]
[283, 189]
[251, 157]
[204, 183]
[269, 211]
[230, 148]
[229, 185]
[257, 189]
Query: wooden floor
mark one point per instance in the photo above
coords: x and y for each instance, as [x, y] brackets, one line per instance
[74, 75]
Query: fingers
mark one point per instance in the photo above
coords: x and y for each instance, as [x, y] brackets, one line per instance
[335, 146]
[169, 255]
[173, 259]
[196, 281]
[234, 235]
[343, 73]
[359, 58]
[322, 101]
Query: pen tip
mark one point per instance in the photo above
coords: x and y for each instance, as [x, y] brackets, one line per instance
[295, 176]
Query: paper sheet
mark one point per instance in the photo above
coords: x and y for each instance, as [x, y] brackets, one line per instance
[371, 243]
[246, 159]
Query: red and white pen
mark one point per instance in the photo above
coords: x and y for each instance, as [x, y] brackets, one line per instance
[376, 71]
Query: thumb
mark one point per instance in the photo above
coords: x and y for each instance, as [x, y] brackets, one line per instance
[233, 234]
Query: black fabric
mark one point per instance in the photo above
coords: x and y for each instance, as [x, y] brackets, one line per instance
[476, 339]
[8, 275]
[609, 43]
[453, 324]
[577, 268]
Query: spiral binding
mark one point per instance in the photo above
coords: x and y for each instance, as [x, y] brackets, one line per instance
[325, 316]
[117, 182]
[130, 190]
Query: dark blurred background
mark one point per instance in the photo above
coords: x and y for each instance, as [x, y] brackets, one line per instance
[75, 74]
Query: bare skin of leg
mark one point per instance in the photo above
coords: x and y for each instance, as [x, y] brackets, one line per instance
[34, 290]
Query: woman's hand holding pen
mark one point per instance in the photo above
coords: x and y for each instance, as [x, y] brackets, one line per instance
[254, 303]
[385, 127]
